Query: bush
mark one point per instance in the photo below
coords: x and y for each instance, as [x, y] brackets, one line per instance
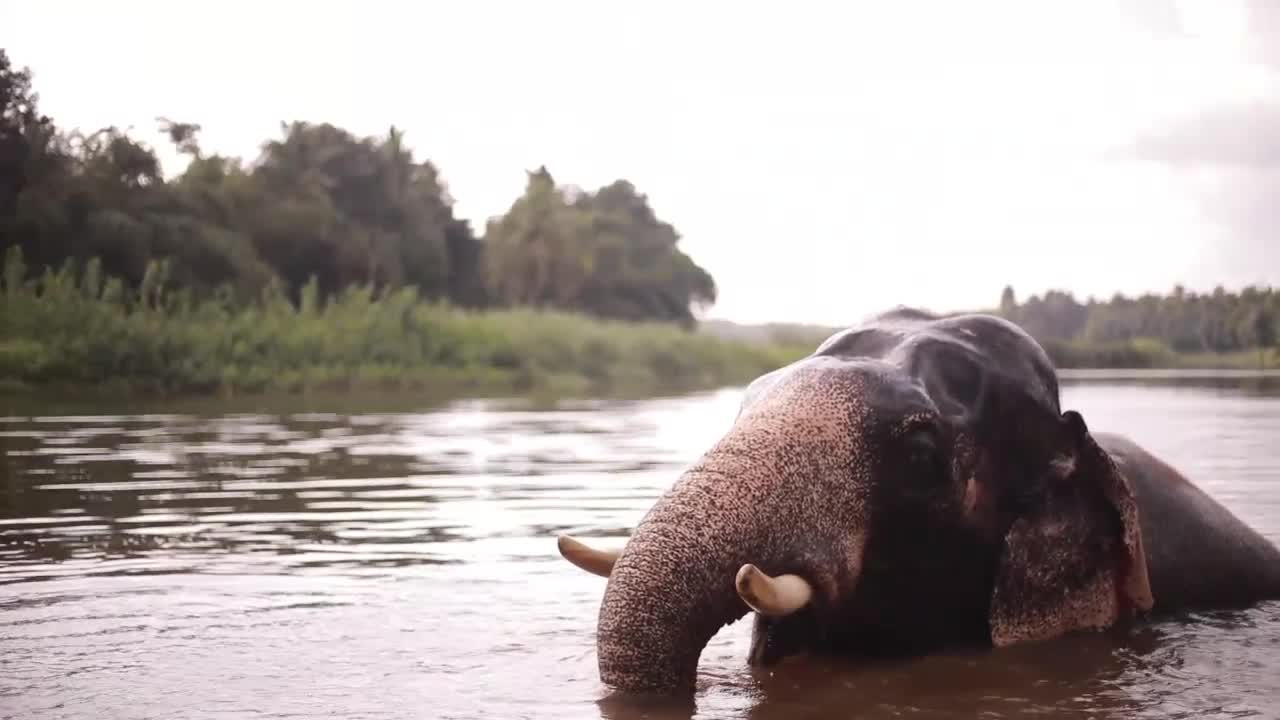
[75, 328]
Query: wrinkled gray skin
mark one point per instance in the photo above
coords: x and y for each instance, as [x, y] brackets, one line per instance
[919, 473]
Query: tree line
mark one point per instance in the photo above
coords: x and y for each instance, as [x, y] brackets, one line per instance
[322, 203]
[1182, 322]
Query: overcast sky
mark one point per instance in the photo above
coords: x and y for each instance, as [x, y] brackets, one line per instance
[823, 160]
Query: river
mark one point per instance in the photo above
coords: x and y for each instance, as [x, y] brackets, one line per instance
[276, 560]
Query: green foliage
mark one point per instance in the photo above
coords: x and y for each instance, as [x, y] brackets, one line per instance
[321, 203]
[604, 253]
[71, 328]
[24, 132]
[1182, 328]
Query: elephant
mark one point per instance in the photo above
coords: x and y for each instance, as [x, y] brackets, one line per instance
[911, 486]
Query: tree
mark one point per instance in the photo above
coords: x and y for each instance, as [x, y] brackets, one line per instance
[539, 253]
[604, 252]
[1008, 302]
[23, 131]
[1184, 321]
[381, 216]
[323, 208]
[1264, 332]
[640, 271]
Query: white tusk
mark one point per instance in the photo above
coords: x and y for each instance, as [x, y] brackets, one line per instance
[772, 596]
[596, 562]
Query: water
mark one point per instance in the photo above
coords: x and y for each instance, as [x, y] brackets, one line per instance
[281, 564]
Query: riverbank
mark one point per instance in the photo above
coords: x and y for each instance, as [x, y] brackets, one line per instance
[64, 334]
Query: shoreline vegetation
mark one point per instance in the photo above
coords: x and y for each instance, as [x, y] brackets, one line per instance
[76, 331]
[1220, 330]
[335, 262]
[70, 331]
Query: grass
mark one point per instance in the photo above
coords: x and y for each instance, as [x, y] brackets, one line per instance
[70, 331]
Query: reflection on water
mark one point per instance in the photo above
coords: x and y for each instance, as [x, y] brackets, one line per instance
[402, 565]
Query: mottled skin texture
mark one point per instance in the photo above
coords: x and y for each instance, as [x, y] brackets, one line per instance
[919, 473]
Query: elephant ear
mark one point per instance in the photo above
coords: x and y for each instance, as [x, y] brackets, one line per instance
[1073, 557]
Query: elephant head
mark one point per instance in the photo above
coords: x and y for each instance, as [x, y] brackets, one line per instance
[911, 485]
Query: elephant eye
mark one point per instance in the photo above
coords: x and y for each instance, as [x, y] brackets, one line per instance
[923, 449]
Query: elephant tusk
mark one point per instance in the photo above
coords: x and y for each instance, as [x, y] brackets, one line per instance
[596, 562]
[772, 596]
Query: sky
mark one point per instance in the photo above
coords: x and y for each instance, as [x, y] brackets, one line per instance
[822, 160]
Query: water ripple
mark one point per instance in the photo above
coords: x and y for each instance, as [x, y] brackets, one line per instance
[401, 565]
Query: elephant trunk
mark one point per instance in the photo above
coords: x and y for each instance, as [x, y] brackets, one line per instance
[684, 574]
[672, 588]
[758, 504]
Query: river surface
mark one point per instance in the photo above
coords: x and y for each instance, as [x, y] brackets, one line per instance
[261, 561]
